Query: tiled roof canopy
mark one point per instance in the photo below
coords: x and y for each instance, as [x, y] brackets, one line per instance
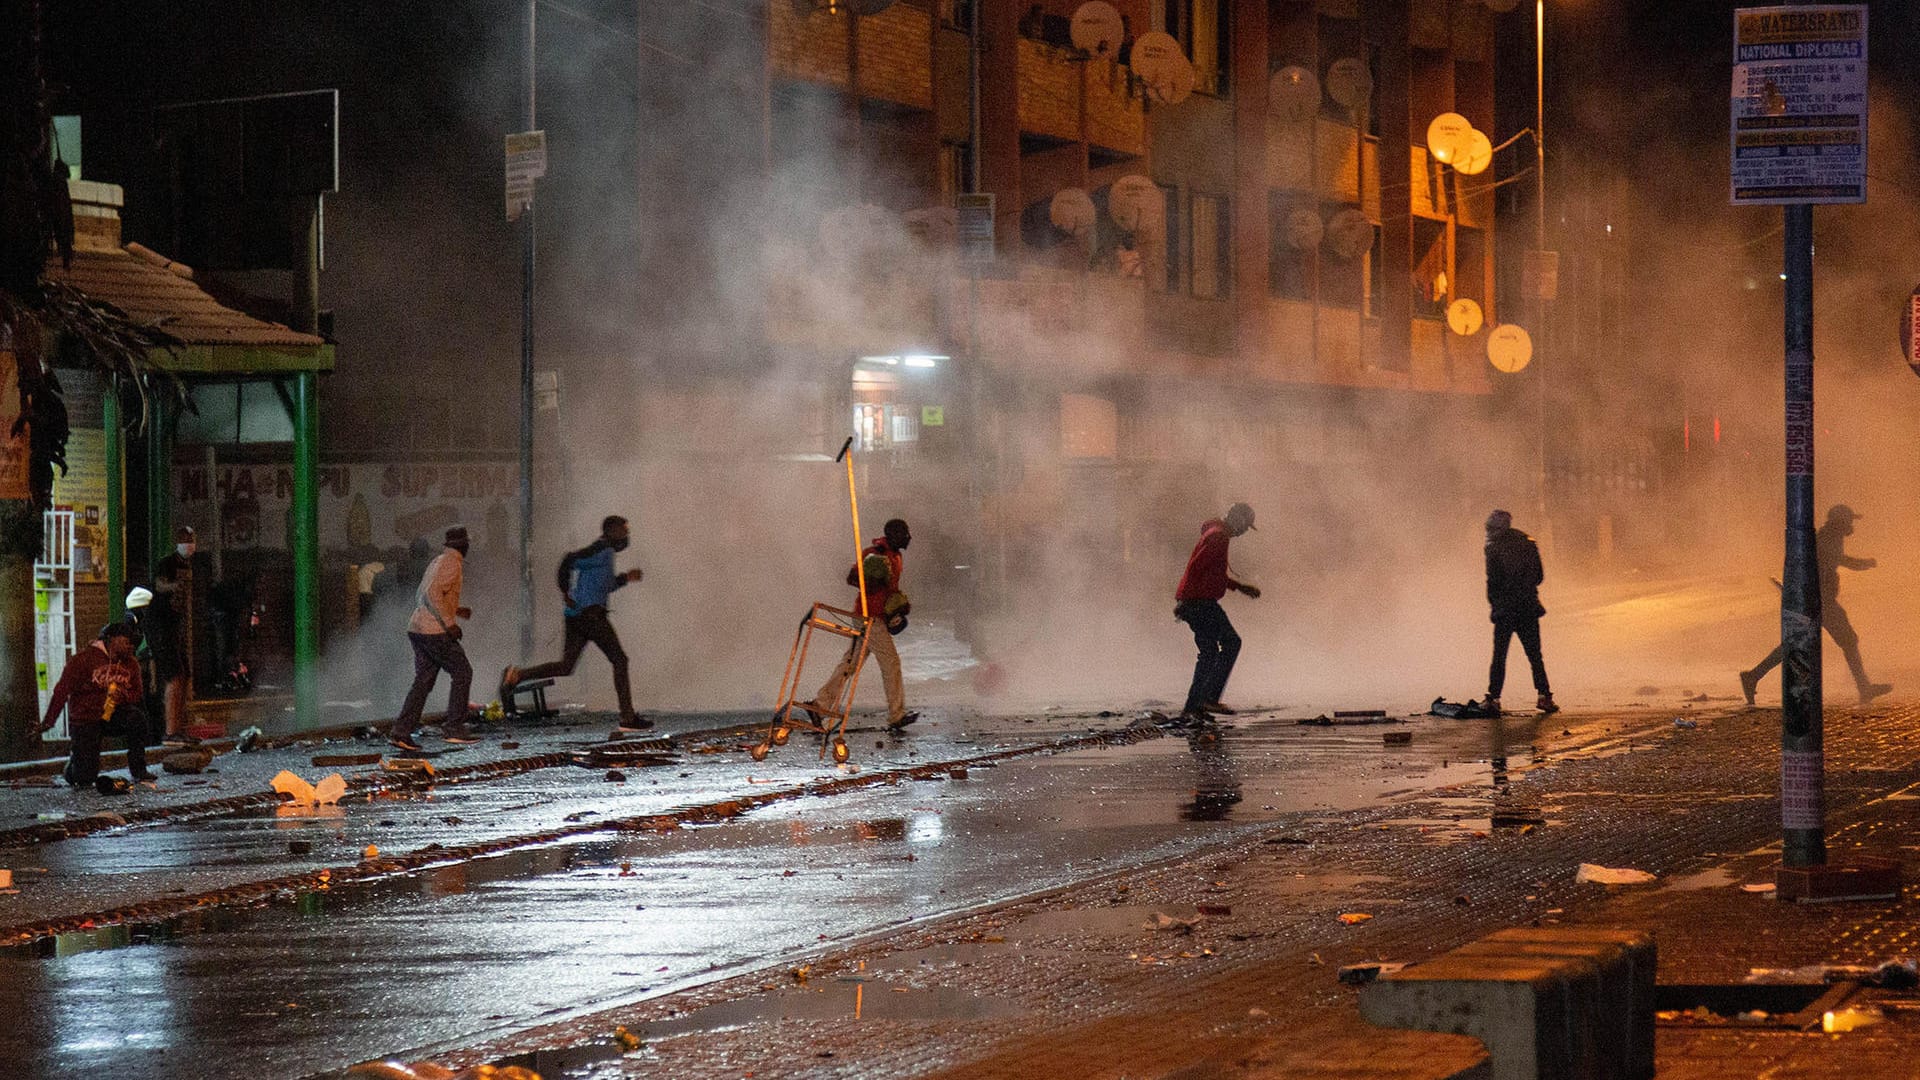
[152, 289]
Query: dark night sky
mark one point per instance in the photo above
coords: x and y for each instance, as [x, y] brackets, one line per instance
[424, 272]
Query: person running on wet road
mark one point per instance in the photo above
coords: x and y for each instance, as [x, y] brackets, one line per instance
[587, 578]
[886, 605]
[101, 691]
[1197, 603]
[434, 630]
[1514, 575]
[1830, 544]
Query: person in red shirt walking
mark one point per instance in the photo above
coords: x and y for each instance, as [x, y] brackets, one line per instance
[101, 690]
[1197, 603]
[886, 604]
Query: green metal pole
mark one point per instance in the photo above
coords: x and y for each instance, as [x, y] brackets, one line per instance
[159, 485]
[116, 515]
[305, 543]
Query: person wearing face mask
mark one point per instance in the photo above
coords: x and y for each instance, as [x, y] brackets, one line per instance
[587, 579]
[886, 606]
[168, 628]
[434, 630]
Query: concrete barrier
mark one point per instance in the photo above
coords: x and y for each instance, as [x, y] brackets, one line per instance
[1551, 1004]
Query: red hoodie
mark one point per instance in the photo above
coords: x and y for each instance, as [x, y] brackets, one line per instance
[1206, 576]
[84, 683]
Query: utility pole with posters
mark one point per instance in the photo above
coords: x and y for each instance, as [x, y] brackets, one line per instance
[526, 162]
[1799, 138]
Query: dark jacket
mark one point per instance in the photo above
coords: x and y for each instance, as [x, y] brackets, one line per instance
[1513, 577]
[1830, 549]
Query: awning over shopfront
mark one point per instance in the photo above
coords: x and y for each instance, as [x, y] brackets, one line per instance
[217, 343]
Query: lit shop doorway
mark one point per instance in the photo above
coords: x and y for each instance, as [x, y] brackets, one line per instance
[911, 434]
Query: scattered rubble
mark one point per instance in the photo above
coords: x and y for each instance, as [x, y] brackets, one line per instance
[1606, 875]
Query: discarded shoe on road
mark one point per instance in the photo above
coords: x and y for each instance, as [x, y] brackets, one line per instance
[1461, 710]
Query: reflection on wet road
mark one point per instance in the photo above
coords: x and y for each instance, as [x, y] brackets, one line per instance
[499, 943]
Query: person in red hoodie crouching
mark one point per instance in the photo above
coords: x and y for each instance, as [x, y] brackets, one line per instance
[101, 691]
[1197, 603]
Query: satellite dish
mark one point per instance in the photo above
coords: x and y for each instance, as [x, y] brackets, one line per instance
[1293, 94]
[1097, 29]
[1158, 61]
[1447, 136]
[1502, 6]
[1350, 83]
[1304, 229]
[1464, 317]
[1349, 234]
[936, 225]
[1475, 154]
[1073, 212]
[1135, 201]
[1509, 348]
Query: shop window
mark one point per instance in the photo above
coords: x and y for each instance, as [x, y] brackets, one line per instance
[870, 428]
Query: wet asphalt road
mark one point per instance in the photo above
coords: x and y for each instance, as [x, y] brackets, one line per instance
[455, 954]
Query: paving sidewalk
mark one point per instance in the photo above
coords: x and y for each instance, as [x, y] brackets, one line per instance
[1104, 980]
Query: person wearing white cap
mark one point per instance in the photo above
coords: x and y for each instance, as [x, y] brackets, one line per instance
[1830, 551]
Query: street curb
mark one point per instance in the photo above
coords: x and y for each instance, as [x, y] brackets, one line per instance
[47, 832]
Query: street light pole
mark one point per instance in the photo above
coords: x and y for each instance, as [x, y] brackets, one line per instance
[527, 249]
[1540, 249]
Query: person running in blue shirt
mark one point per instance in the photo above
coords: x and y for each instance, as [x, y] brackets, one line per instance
[587, 578]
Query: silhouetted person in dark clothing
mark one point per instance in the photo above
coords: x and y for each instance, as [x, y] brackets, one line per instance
[168, 626]
[1514, 575]
[1830, 551]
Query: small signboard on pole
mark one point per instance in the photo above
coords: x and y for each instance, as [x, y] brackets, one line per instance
[973, 221]
[1799, 132]
[526, 162]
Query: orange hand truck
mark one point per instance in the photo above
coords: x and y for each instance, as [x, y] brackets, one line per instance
[829, 718]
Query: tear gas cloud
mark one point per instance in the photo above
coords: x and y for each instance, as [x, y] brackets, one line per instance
[1370, 504]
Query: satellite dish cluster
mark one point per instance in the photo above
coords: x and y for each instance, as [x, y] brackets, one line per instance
[1134, 204]
[1452, 140]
